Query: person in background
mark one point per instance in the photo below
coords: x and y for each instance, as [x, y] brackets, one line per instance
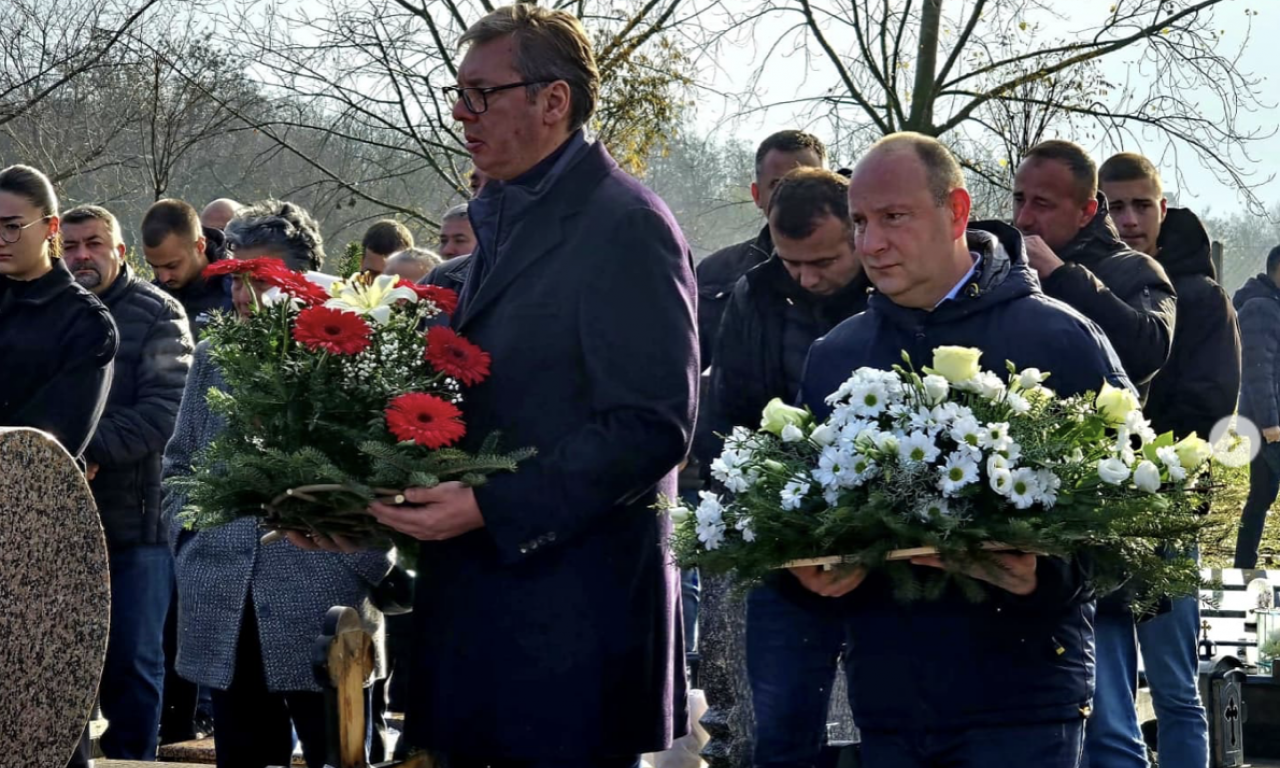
[178, 248]
[55, 332]
[476, 181]
[1258, 305]
[380, 241]
[1194, 390]
[811, 283]
[412, 264]
[1075, 249]
[124, 470]
[457, 241]
[217, 213]
[248, 612]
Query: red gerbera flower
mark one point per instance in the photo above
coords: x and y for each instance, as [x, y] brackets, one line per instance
[454, 356]
[258, 269]
[443, 298]
[425, 419]
[297, 286]
[332, 330]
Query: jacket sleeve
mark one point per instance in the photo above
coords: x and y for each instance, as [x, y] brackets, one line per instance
[729, 394]
[126, 434]
[70, 403]
[190, 433]
[1140, 325]
[1209, 385]
[1260, 340]
[639, 359]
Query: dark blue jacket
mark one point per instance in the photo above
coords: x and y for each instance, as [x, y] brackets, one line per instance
[1258, 305]
[128, 445]
[951, 663]
[554, 632]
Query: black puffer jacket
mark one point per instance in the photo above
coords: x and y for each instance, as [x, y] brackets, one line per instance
[765, 334]
[57, 342]
[201, 298]
[717, 275]
[1125, 292]
[1200, 382]
[151, 371]
[1258, 303]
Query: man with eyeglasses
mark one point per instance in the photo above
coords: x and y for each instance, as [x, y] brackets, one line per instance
[548, 619]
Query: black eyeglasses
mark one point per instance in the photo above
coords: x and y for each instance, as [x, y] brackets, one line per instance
[476, 100]
[11, 231]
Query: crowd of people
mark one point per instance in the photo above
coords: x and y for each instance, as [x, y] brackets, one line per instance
[549, 626]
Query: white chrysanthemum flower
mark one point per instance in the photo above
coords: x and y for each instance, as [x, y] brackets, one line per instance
[924, 420]
[1024, 490]
[1048, 483]
[1017, 403]
[1113, 471]
[869, 399]
[833, 466]
[967, 432]
[710, 516]
[1139, 425]
[831, 496]
[995, 436]
[933, 508]
[1000, 480]
[918, 447]
[936, 388]
[862, 470]
[744, 526]
[1168, 456]
[959, 471]
[949, 412]
[794, 492]
[738, 438]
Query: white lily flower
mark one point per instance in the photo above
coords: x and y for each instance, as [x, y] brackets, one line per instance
[374, 300]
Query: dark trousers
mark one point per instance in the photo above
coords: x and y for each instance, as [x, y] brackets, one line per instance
[1264, 484]
[1048, 745]
[133, 677]
[254, 727]
[178, 703]
[792, 658]
[626, 761]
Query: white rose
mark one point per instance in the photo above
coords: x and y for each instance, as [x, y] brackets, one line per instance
[823, 435]
[1147, 477]
[1031, 378]
[1192, 452]
[1113, 471]
[936, 388]
[1114, 405]
[956, 364]
[792, 434]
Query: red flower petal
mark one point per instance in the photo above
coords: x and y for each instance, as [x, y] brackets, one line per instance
[258, 269]
[443, 298]
[332, 330]
[425, 419]
[454, 356]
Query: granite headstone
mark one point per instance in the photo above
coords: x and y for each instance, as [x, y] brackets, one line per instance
[54, 600]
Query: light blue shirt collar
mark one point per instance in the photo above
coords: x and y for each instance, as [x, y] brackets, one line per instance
[955, 289]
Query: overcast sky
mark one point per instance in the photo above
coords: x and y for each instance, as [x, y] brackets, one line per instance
[796, 76]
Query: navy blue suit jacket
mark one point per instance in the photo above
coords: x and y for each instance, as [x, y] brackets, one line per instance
[554, 632]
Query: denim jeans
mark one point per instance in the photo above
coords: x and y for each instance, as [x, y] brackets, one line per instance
[1112, 737]
[1170, 657]
[1046, 745]
[1264, 484]
[792, 656]
[690, 591]
[133, 677]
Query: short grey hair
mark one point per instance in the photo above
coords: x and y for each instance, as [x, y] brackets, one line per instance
[942, 170]
[82, 213]
[422, 256]
[550, 45]
[456, 212]
[284, 227]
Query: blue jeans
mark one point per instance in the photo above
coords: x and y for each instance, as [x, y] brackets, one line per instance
[792, 655]
[1264, 484]
[690, 591]
[1113, 738]
[1046, 745]
[1170, 657]
[133, 678]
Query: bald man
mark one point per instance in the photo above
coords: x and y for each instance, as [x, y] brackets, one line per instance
[219, 212]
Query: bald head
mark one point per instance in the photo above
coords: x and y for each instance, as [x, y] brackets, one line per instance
[219, 212]
[942, 172]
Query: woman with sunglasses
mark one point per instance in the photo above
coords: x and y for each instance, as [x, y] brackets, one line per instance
[57, 341]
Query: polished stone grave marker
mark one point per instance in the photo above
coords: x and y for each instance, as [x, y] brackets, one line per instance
[54, 600]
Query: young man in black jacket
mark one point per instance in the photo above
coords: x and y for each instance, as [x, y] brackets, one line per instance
[1195, 389]
[1081, 260]
[1258, 303]
[178, 248]
[124, 457]
[810, 284]
[950, 682]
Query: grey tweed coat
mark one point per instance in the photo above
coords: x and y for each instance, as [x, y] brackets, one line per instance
[221, 569]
